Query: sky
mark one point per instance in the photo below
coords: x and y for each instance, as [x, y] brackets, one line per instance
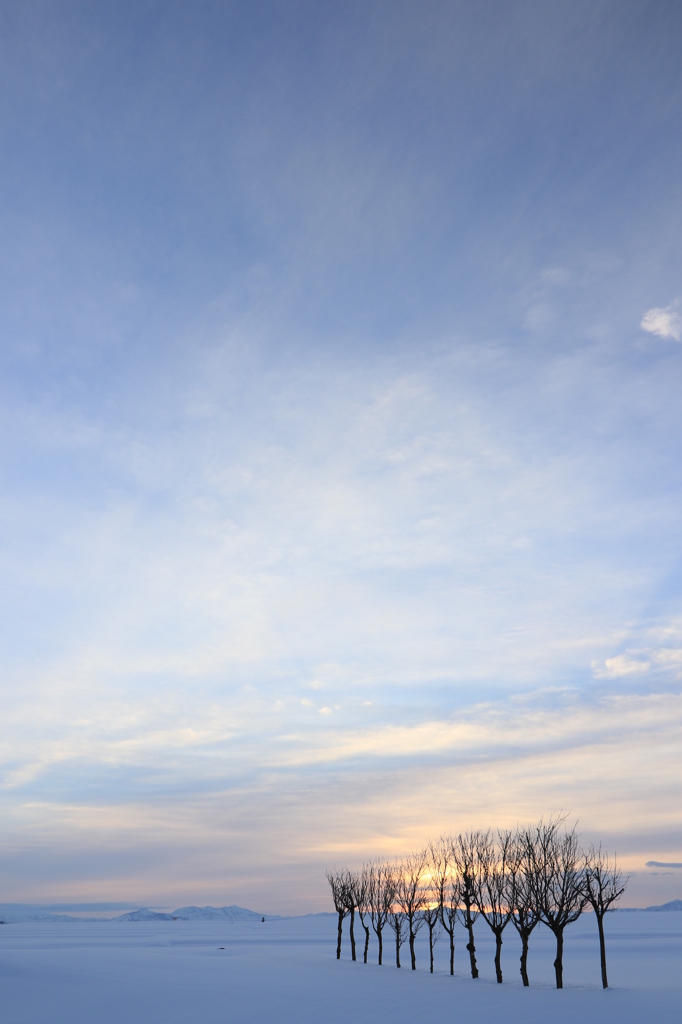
[340, 477]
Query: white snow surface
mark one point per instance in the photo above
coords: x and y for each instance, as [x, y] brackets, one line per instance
[286, 970]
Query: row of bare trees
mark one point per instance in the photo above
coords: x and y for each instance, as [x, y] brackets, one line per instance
[535, 875]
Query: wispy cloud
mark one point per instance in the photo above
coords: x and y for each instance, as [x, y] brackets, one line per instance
[203, 792]
[658, 654]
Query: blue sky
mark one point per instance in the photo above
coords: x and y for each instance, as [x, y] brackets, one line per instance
[340, 369]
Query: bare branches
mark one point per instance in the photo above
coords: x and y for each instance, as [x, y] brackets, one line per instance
[339, 882]
[536, 874]
[521, 891]
[359, 889]
[490, 882]
[604, 882]
[381, 893]
[464, 853]
[432, 912]
[558, 881]
[411, 896]
[447, 887]
[604, 886]
[396, 917]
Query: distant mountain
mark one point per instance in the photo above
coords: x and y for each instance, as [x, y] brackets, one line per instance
[21, 913]
[672, 905]
[17, 913]
[143, 914]
[232, 913]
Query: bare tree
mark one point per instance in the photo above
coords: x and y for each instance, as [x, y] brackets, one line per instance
[452, 902]
[491, 887]
[446, 887]
[396, 917]
[559, 882]
[432, 913]
[411, 896]
[380, 899]
[360, 883]
[349, 895]
[465, 862]
[604, 886]
[521, 891]
[539, 873]
[337, 881]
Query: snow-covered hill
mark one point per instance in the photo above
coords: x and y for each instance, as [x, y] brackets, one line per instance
[23, 913]
[20, 913]
[143, 914]
[232, 913]
[672, 905]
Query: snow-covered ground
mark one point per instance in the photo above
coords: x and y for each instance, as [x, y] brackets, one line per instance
[286, 971]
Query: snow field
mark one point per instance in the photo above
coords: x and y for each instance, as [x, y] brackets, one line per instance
[286, 971]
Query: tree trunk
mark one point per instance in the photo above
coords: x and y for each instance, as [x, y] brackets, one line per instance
[498, 957]
[452, 951]
[352, 933]
[338, 944]
[366, 927]
[559, 962]
[381, 945]
[413, 958]
[431, 947]
[524, 959]
[472, 949]
[602, 950]
[397, 949]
